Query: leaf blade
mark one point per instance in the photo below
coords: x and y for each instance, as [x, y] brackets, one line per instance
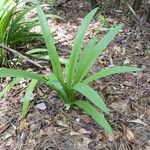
[27, 97]
[8, 87]
[77, 46]
[84, 59]
[100, 46]
[50, 45]
[4, 72]
[92, 96]
[110, 71]
[96, 115]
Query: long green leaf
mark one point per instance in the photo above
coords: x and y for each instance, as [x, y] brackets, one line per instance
[4, 24]
[36, 50]
[28, 97]
[55, 84]
[8, 87]
[101, 45]
[50, 45]
[92, 96]
[21, 15]
[4, 72]
[21, 27]
[77, 47]
[95, 114]
[23, 36]
[110, 71]
[84, 59]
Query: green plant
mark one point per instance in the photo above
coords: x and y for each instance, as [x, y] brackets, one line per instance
[41, 53]
[75, 79]
[13, 26]
[103, 21]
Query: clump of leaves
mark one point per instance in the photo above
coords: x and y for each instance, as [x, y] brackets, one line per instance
[75, 78]
[13, 26]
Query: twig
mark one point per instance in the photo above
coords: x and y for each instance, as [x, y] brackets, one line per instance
[17, 53]
[133, 12]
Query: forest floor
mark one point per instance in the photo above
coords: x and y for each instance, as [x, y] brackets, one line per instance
[49, 127]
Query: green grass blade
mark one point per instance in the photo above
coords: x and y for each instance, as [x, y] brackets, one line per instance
[84, 59]
[77, 47]
[92, 96]
[28, 97]
[9, 86]
[95, 114]
[110, 71]
[50, 45]
[4, 72]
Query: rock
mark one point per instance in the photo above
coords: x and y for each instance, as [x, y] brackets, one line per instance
[41, 106]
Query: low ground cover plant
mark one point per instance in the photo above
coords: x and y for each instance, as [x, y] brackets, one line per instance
[14, 28]
[74, 78]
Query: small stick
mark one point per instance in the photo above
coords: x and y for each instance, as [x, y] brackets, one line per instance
[17, 53]
[133, 12]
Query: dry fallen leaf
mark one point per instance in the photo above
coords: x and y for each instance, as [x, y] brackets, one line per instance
[83, 131]
[129, 134]
[83, 145]
[24, 124]
[119, 106]
[62, 123]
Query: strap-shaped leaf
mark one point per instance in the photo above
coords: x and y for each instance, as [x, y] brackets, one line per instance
[91, 95]
[50, 45]
[101, 45]
[21, 15]
[36, 50]
[23, 36]
[77, 47]
[8, 87]
[4, 22]
[37, 54]
[28, 97]
[4, 72]
[55, 84]
[84, 59]
[95, 114]
[110, 71]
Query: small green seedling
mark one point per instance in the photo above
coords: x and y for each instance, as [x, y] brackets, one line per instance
[75, 78]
